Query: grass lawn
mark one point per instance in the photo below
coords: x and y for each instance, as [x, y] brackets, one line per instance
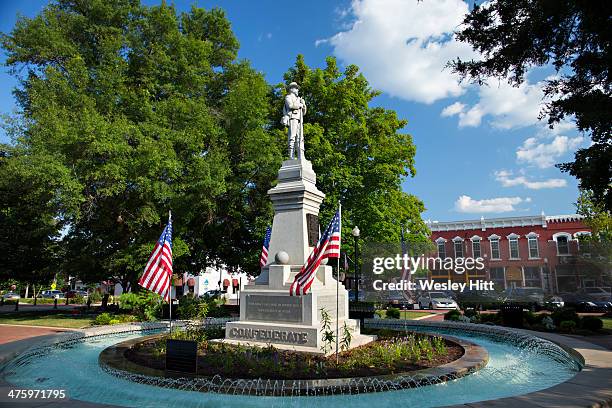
[406, 314]
[607, 321]
[409, 315]
[52, 320]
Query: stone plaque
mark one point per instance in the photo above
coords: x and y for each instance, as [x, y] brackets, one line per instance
[312, 225]
[274, 308]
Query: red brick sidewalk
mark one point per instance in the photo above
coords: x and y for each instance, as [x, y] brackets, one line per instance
[10, 333]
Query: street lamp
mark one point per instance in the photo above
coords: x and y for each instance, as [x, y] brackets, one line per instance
[355, 234]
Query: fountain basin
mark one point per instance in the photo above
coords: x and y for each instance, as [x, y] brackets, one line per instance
[521, 368]
[113, 361]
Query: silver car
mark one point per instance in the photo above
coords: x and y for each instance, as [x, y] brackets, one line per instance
[436, 300]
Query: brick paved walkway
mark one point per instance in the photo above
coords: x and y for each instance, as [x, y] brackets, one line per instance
[10, 333]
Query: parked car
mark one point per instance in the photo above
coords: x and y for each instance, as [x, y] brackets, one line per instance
[584, 302]
[597, 293]
[11, 296]
[399, 300]
[436, 300]
[554, 302]
[52, 294]
[214, 293]
[528, 297]
[74, 293]
[480, 299]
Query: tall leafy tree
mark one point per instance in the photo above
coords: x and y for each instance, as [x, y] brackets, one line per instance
[139, 107]
[574, 37]
[37, 195]
[359, 153]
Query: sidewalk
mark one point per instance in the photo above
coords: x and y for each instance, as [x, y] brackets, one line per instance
[602, 341]
[9, 333]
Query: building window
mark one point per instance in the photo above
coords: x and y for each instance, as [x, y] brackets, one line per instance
[562, 245]
[514, 247]
[458, 245]
[495, 248]
[441, 250]
[497, 277]
[533, 247]
[476, 248]
[532, 277]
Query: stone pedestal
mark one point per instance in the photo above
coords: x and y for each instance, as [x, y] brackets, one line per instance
[268, 315]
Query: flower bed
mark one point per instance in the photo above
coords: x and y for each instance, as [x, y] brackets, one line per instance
[394, 352]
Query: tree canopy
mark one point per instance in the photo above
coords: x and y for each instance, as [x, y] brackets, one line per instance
[127, 111]
[575, 38]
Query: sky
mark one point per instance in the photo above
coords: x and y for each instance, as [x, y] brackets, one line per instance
[481, 151]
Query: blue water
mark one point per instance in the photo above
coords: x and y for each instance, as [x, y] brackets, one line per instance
[510, 371]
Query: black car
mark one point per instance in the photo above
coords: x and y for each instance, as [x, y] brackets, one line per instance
[530, 298]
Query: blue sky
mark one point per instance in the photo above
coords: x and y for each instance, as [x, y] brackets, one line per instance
[480, 151]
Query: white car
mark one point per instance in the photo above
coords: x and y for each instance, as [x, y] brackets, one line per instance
[436, 300]
[11, 296]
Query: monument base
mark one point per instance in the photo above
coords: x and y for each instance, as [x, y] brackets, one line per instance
[269, 316]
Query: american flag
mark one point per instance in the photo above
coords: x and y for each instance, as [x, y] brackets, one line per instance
[157, 273]
[327, 247]
[264, 251]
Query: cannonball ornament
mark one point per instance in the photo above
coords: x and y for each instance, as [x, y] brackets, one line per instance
[282, 258]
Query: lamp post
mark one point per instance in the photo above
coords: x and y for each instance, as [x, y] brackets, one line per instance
[355, 234]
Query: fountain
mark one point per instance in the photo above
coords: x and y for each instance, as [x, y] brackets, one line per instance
[518, 363]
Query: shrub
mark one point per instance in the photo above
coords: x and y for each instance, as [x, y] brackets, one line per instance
[531, 318]
[452, 315]
[193, 308]
[592, 323]
[567, 326]
[145, 305]
[102, 319]
[490, 318]
[95, 296]
[567, 313]
[548, 323]
[393, 313]
[129, 301]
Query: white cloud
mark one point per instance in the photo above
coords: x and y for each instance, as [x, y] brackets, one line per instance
[403, 46]
[507, 106]
[467, 204]
[453, 109]
[539, 153]
[507, 180]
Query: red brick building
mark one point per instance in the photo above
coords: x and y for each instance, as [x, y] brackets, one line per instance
[531, 251]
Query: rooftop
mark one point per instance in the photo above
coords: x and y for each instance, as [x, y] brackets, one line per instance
[484, 223]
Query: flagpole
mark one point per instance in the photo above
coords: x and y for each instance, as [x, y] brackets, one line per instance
[338, 279]
[170, 286]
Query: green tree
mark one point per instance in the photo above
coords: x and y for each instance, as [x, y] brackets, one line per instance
[595, 251]
[36, 198]
[574, 37]
[139, 108]
[358, 152]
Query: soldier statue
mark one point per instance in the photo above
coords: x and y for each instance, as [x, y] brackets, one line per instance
[293, 117]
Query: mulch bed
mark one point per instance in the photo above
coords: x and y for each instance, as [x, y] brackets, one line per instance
[296, 365]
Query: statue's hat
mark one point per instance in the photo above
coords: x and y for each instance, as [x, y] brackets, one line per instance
[294, 85]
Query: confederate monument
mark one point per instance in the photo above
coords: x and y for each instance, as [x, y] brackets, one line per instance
[268, 314]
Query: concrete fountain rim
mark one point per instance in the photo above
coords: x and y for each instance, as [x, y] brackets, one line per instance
[113, 360]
